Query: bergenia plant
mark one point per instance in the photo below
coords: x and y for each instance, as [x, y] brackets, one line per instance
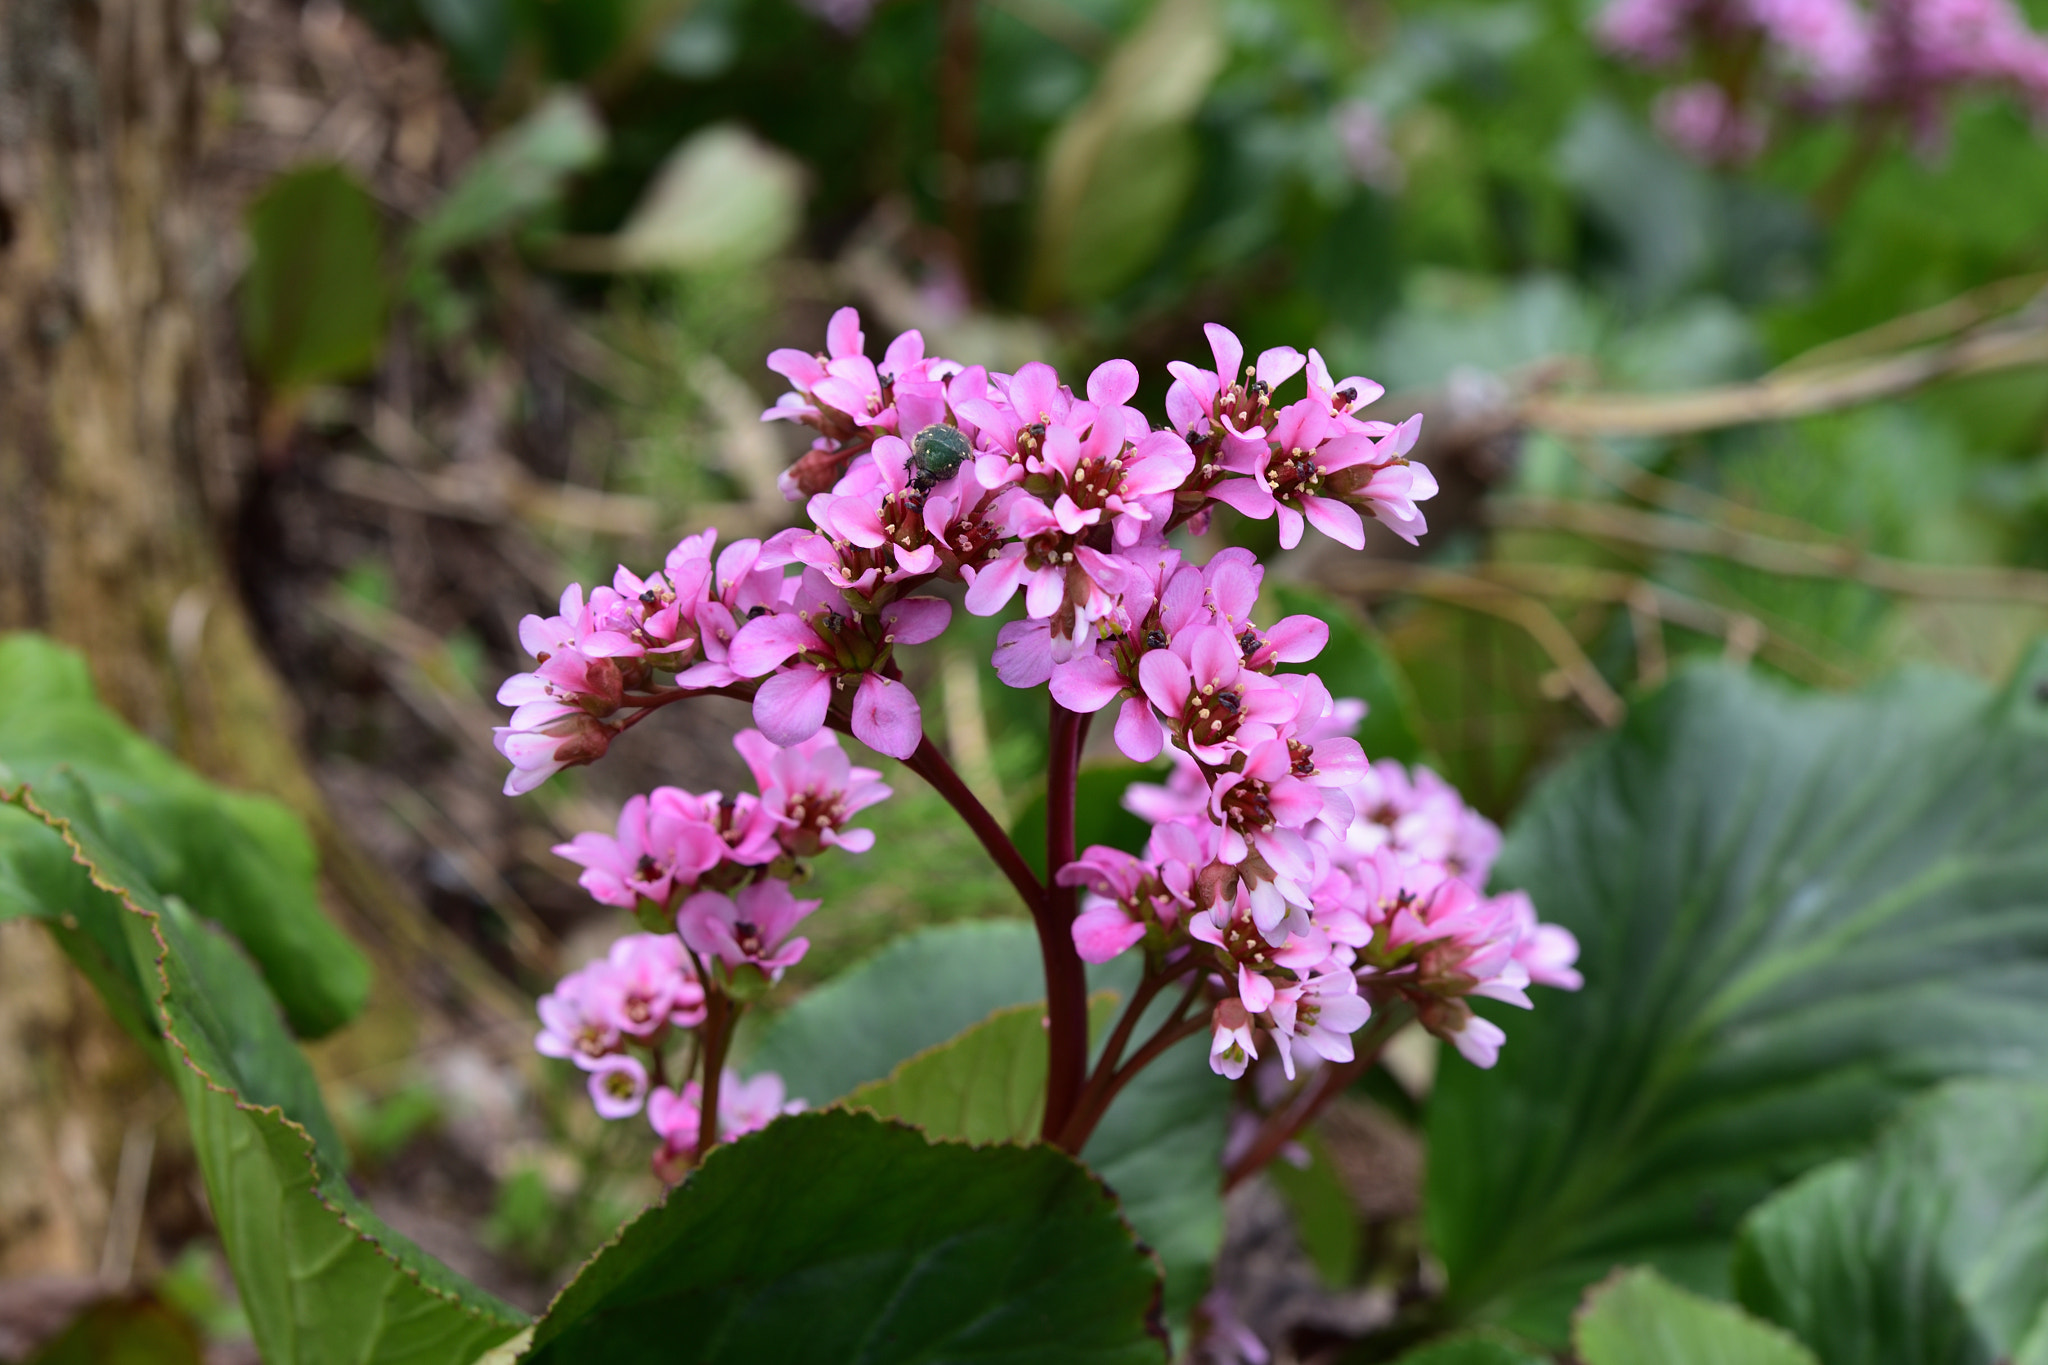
[1295, 902]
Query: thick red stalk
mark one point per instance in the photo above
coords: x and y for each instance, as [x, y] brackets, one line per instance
[716, 1033]
[1066, 985]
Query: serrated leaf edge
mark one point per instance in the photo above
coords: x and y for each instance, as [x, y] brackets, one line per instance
[25, 799]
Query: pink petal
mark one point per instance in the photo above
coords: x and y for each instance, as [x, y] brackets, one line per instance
[1339, 521]
[1138, 732]
[886, 717]
[1340, 759]
[1035, 393]
[790, 707]
[1105, 932]
[852, 840]
[843, 335]
[914, 620]
[1114, 381]
[1046, 590]
[919, 406]
[1254, 990]
[766, 641]
[1248, 496]
[906, 350]
[1228, 350]
[991, 586]
[1290, 525]
[1087, 683]
[1165, 680]
[1023, 654]
[1213, 657]
[800, 368]
[1297, 639]
[1279, 365]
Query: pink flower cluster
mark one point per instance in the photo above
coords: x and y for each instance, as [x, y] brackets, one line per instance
[671, 843]
[1359, 887]
[1891, 58]
[601, 1016]
[1306, 884]
[928, 471]
[717, 871]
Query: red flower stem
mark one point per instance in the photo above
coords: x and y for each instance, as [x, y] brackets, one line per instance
[716, 1033]
[1110, 1079]
[1284, 1125]
[1066, 985]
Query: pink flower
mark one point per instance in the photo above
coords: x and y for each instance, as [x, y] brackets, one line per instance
[1314, 470]
[832, 646]
[1113, 918]
[576, 1021]
[661, 843]
[618, 1086]
[1546, 951]
[748, 929]
[537, 754]
[887, 521]
[1319, 1013]
[744, 1106]
[1160, 598]
[1067, 584]
[1699, 120]
[813, 791]
[1215, 705]
[1202, 401]
[675, 1117]
[747, 1106]
[650, 986]
[1232, 1044]
[1421, 815]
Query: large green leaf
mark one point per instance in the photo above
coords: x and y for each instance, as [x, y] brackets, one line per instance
[321, 1277]
[1159, 1147]
[1638, 1317]
[1930, 1250]
[313, 300]
[1795, 912]
[244, 861]
[844, 1240]
[1357, 663]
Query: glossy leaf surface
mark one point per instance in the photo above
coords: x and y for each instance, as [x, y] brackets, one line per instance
[840, 1239]
[1795, 912]
[1931, 1248]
